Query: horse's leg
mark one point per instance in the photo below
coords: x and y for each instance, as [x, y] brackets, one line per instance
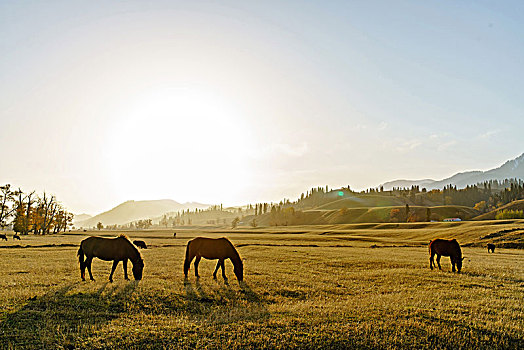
[452, 264]
[197, 260]
[431, 261]
[82, 266]
[115, 263]
[88, 262]
[222, 263]
[438, 262]
[216, 270]
[125, 269]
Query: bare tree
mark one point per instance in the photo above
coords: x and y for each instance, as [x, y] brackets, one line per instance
[49, 208]
[235, 222]
[6, 196]
[62, 219]
[23, 204]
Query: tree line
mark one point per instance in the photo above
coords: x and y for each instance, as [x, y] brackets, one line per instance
[29, 212]
[484, 196]
[493, 194]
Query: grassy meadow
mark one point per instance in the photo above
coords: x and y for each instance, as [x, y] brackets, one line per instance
[332, 286]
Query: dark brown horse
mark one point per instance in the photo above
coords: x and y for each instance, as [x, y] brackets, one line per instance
[140, 244]
[116, 249]
[444, 247]
[491, 247]
[213, 248]
[3, 236]
[16, 237]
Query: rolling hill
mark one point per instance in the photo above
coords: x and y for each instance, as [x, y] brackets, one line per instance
[515, 205]
[363, 201]
[356, 215]
[137, 210]
[78, 218]
[511, 169]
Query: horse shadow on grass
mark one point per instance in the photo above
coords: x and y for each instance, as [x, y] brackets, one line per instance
[65, 317]
[456, 334]
[61, 317]
[217, 302]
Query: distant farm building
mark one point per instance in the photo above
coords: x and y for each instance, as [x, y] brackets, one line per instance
[453, 219]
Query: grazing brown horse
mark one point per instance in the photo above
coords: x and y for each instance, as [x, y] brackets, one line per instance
[491, 247]
[444, 247]
[140, 244]
[16, 237]
[3, 236]
[116, 249]
[213, 248]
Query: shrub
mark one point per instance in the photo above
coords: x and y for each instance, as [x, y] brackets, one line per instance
[509, 214]
[395, 215]
[416, 217]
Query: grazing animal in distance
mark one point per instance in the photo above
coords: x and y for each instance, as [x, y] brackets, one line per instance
[213, 248]
[445, 247]
[3, 236]
[116, 249]
[140, 244]
[16, 237]
[174, 234]
[491, 247]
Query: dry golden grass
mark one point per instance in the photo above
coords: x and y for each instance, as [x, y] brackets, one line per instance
[306, 287]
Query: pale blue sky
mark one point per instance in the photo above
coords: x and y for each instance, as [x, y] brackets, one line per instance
[244, 101]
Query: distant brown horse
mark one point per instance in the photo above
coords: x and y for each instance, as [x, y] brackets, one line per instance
[16, 237]
[3, 236]
[140, 244]
[116, 249]
[491, 247]
[213, 248]
[444, 247]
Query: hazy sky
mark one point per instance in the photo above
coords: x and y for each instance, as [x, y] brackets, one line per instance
[238, 102]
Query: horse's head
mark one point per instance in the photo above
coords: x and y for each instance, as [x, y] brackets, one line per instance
[138, 267]
[238, 269]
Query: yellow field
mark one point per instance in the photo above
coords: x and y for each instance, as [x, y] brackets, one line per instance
[306, 287]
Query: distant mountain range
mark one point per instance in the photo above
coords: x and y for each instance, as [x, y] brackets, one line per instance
[81, 217]
[509, 170]
[137, 210]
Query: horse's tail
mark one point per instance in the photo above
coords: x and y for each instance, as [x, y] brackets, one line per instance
[429, 247]
[80, 254]
[187, 262]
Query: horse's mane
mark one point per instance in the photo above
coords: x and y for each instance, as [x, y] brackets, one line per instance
[124, 236]
[235, 251]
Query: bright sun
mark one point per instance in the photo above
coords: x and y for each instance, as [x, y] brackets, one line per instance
[179, 140]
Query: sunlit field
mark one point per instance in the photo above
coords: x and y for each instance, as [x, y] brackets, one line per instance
[309, 287]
